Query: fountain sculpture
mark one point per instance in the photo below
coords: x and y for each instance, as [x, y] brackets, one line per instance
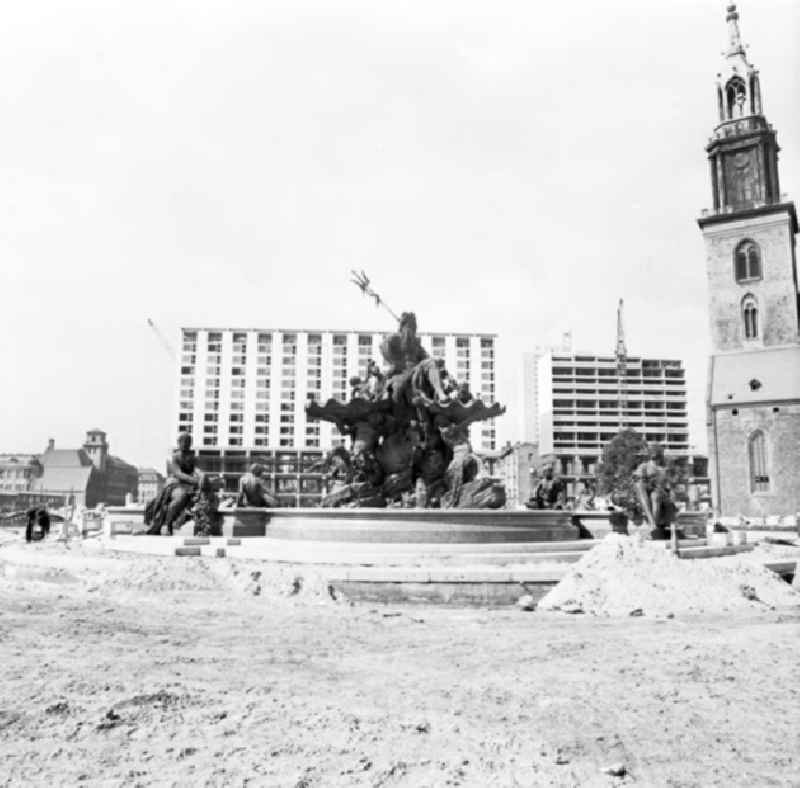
[409, 429]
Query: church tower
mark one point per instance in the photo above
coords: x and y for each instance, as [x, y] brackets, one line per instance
[96, 447]
[754, 308]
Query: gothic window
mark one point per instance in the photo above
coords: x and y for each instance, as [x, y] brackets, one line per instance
[735, 97]
[750, 315]
[747, 261]
[757, 449]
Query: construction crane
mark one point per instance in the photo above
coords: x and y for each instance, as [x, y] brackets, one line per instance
[162, 340]
[622, 369]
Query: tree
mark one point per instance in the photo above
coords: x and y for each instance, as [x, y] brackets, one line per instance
[621, 456]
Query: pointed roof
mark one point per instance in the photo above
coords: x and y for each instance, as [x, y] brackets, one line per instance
[64, 479]
[65, 458]
[735, 54]
[732, 18]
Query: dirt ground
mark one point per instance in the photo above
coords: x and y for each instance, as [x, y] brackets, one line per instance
[113, 677]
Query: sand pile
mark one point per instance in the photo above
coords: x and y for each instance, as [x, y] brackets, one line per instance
[785, 549]
[273, 581]
[89, 565]
[624, 575]
[157, 574]
[93, 570]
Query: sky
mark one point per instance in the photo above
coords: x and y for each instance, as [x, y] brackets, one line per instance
[509, 167]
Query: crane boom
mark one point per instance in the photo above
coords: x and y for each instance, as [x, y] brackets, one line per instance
[622, 368]
[162, 340]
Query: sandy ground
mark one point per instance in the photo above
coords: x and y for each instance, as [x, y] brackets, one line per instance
[133, 670]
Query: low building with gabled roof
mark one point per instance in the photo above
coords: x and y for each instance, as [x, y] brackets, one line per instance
[87, 475]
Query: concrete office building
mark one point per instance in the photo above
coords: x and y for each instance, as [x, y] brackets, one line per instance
[582, 406]
[530, 385]
[242, 395]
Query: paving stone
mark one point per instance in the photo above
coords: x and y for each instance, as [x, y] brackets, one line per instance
[187, 551]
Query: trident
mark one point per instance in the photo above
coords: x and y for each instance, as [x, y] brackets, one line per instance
[361, 281]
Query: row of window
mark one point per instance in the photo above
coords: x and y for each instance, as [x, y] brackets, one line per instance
[311, 443]
[648, 420]
[607, 372]
[365, 346]
[264, 340]
[289, 370]
[610, 404]
[607, 436]
[630, 392]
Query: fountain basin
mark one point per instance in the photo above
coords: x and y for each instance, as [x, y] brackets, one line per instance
[416, 526]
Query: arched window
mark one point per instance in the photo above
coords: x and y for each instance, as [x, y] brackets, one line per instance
[750, 315]
[757, 450]
[747, 261]
[735, 97]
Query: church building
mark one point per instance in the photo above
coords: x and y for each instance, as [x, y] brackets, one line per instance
[753, 400]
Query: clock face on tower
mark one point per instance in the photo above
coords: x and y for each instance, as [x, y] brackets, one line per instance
[741, 178]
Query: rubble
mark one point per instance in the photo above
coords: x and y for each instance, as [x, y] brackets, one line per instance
[627, 576]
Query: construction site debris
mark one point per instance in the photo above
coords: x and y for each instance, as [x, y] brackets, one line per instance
[628, 576]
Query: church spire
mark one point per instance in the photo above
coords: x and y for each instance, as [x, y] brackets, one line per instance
[736, 47]
[743, 151]
[738, 86]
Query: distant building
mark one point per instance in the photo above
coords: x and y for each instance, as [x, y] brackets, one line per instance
[242, 396]
[18, 471]
[151, 483]
[87, 475]
[518, 463]
[530, 385]
[583, 404]
[17, 475]
[290, 473]
[750, 238]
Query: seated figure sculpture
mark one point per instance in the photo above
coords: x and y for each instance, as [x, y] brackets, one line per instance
[550, 491]
[253, 488]
[179, 492]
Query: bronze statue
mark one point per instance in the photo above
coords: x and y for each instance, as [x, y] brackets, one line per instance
[207, 519]
[372, 386]
[179, 491]
[550, 491]
[656, 495]
[409, 431]
[253, 488]
[402, 352]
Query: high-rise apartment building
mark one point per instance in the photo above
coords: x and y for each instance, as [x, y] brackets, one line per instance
[242, 392]
[530, 385]
[583, 403]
